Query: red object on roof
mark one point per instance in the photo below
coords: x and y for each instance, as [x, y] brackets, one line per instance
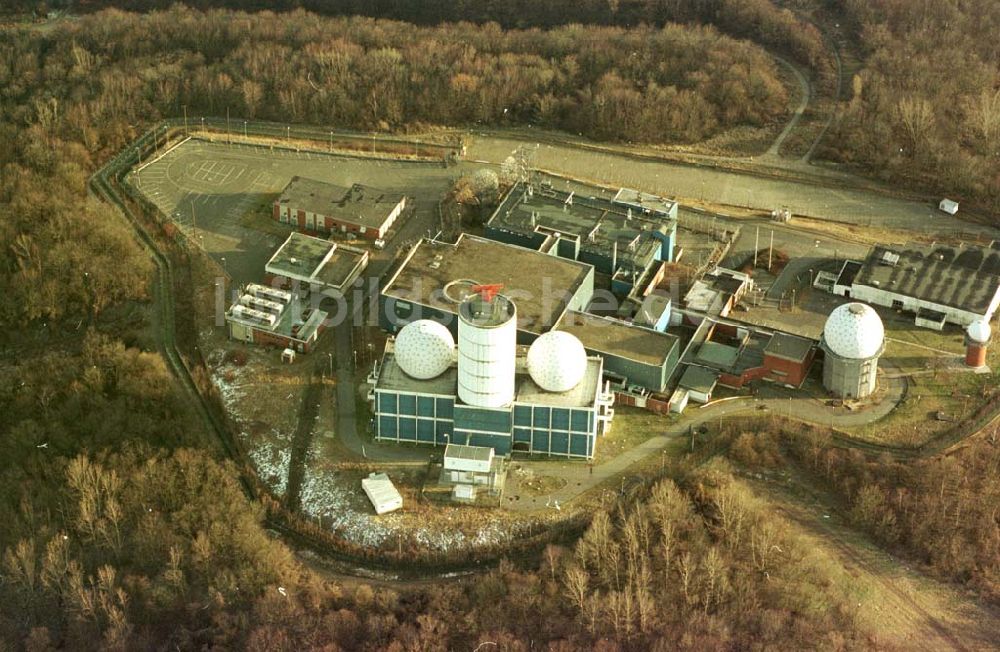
[487, 292]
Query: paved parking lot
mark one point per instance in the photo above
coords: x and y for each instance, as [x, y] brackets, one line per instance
[208, 188]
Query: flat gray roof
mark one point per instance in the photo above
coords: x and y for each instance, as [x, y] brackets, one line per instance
[539, 285]
[699, 379]
[615, 337]
[358, 204]
[966, 278]
[599, 223]
[790, 347]
[316, 260]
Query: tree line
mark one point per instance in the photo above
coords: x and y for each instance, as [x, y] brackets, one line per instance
[944, 511]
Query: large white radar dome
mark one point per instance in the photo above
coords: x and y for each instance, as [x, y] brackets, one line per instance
[557, 361]
[854, 330]
[979, 331]
[424, 349]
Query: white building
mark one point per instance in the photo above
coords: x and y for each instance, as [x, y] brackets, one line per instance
[938, 283]
[948, 206]
[382, 493]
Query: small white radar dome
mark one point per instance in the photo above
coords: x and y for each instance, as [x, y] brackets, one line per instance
[557, 361]
[424, 349]
[979, 331]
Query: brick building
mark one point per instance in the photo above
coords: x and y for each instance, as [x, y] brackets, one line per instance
[318, 206]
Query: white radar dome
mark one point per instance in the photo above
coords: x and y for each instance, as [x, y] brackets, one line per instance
[979, 331]
[424, 349]
[557, 361]
[854, 330]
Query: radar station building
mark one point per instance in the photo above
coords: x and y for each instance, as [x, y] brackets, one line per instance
[551, 293]
[628, 238]
[937, 283]
[544, 399]
[852, 342]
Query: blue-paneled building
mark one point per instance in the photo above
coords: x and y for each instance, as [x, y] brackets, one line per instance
[626, 237]
[565, 424]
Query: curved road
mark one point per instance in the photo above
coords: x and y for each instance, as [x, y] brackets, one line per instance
[806, 94]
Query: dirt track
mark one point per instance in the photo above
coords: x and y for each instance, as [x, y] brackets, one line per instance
[907, 608]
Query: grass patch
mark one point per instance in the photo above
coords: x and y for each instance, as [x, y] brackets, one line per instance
[258, 218]
[630, 427]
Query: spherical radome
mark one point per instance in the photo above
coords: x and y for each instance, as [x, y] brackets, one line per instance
[424, 349]
[557, 361]
[979, 331]
[854, 330]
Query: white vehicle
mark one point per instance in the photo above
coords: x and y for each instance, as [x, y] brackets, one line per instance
[380, 244]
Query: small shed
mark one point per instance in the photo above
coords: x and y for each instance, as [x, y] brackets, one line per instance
[382, 493]
[463, 493]
[475, 459]
[699, 382]
[679, 400]
[288, 355]
[948, 206]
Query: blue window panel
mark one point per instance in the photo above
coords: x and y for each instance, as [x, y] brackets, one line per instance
[425, 406]
[560, 419]
[522, 435]
[522, 415]
[498, 443]
[445, 408]
[407, 428]
[579, 445]
[442, 431]
[408, 404]
[560, 443]
[387, 427]
[458, 437]
[425, 430]
[541, 419]
[581, 421]
[386, 403]
[482, 419]
[540, 441]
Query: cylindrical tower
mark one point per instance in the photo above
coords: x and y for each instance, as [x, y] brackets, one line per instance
[853, 340]
[487, 343]
[977, 337]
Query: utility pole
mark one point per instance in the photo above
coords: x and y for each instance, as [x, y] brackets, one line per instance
[229, 134]
[194, 222]
[331, 142]
[756, 246]
[185, 107]
[770, 251]
[245, 137]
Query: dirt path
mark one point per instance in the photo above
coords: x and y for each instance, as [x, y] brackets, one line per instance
[302, 439]
[906, 607]
[805, 92]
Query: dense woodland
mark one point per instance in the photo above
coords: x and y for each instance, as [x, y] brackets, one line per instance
[926, 105]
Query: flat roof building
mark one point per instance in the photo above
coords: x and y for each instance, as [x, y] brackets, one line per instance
[271, 317]
[429, 411]
[316, 262]
[626, 238]
[312, 205]
[435, 277]
[642, 355]
[938, 283]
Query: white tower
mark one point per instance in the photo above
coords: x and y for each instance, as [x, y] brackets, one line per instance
[487, 343]
[853, 340]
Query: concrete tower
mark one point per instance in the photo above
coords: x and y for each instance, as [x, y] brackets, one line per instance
[977, 337]
[853, 339]
[487, 345]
